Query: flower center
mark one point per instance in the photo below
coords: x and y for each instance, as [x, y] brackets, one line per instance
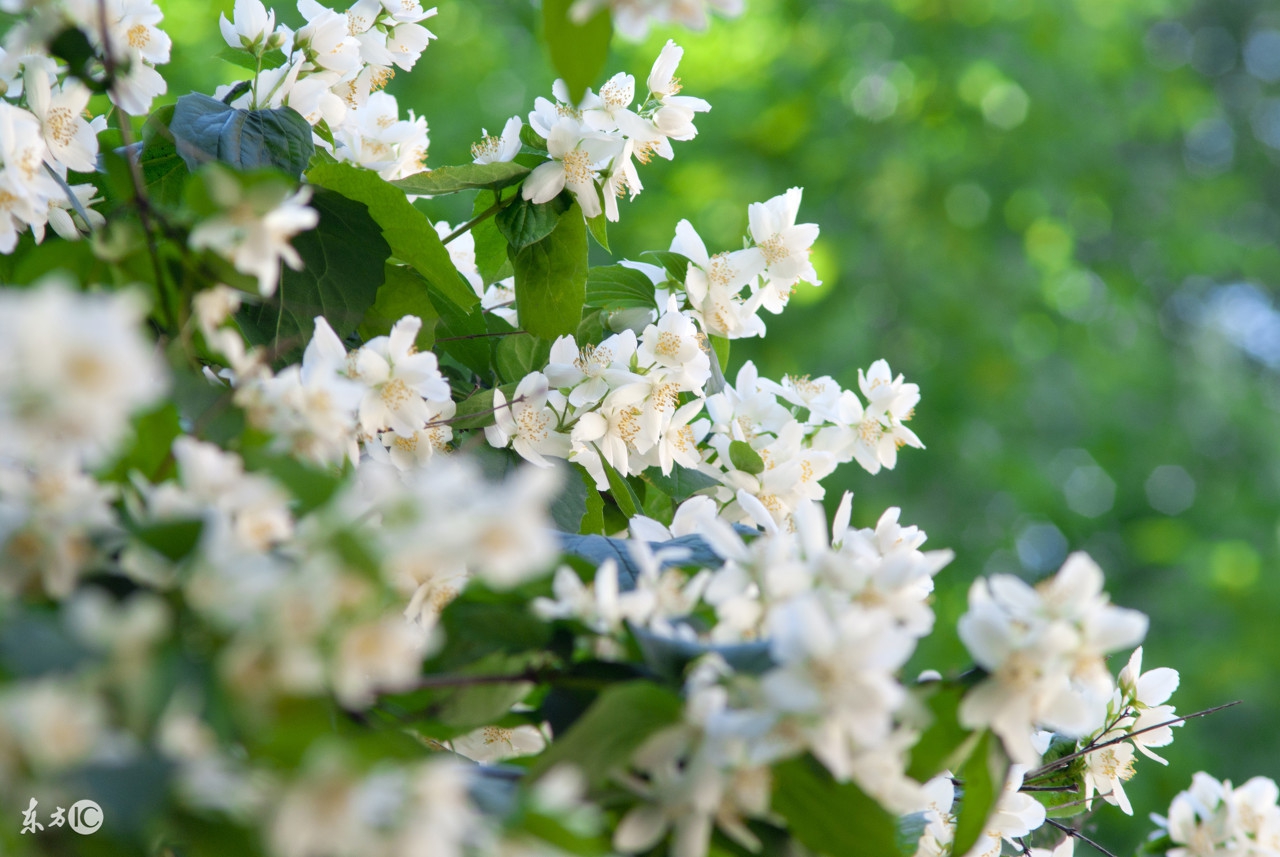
[577, 167]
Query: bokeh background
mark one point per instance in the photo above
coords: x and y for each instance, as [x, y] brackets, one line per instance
[1058, 217]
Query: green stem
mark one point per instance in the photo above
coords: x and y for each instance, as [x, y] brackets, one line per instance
[482, 216]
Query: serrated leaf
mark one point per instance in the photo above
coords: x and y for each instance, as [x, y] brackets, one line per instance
[445, 180]
[403, 292]
[675, 264]
[578, 51]
[164, 172]
[615, 725]
[407, 231]
[745, 458]
[830, 817]
[205, 129]
[523, 222]
[681, 483]
[616, 287]
[334, 282]
[983, 776]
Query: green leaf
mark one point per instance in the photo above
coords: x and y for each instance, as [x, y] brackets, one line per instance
[74, 47]
[720, 345]
[532, 139]
[598, 226]
[983, 776]
[623, 494]
[476, 411]
[310, 486]
[617, 286]
[480, 622]
[407, 231]
[578, 51]
[570, 505]
[619, 721]
[403, 292]
[153, 434]
[270, 59]
[517, 355]
[472, 706]
[551, 278]
[675, 264]
[593, 517]
[944, 737]
[681, 484]
[745, 458]
[205, 129]
[444, 180]
[523, 222]
[164, 172]
[173, 539]
[491, 246]
[335, 282]
[830, 817]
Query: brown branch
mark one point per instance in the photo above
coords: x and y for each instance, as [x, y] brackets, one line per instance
[1071, 831]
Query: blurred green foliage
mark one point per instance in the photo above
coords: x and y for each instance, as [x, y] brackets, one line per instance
[1059, 218]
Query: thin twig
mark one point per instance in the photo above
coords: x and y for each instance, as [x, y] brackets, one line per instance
[1066, 760]
[1071, 831]
[484, 215]
[481, 335]
[430, 681]
[460, 417]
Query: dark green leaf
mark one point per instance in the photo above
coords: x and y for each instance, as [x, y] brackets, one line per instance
[335, 282]
[830, 817]
[148, 454]
[75, 48]
[463, 177]
[570, 505]
[205, 129]
[163, 170]
[745, 458]
[675, 264]
[173, 539]
[463, 336]
[681, 483]
[407, 231]
[983, 776]
[403, 292]
[476, 411]
[578, 51]
[616, 287]
[523, 223]
[479, 623]
[551, 278]
[491, 246]
[517, 355]
[616, 724]
[33, 644]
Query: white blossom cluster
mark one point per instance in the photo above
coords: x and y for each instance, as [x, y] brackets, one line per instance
[725, 292]
[633, 18]
[1044, 650]
[334, 70]
[594, 144]
[73, 369]
[1015, 815]
[1215, 819]
[46, 131]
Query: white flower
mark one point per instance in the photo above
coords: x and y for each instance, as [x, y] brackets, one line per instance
[496, 148]
[784, 244]
[1016, 814]
[593, 370]
[490, 744]
[576, 159]
[253, 26]
[713, 284]
[72, 141]
[601, 113]
[254, 229]
[384, 655]
[528, 425]
[1106, 769]
[398, 378]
